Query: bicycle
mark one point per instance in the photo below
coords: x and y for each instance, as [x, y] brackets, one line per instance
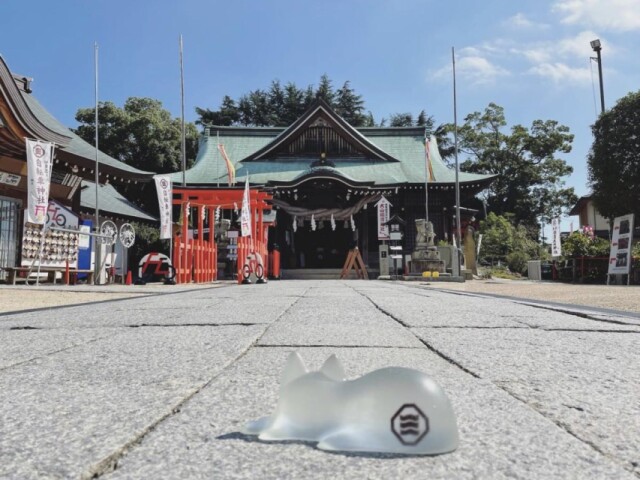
[155, 265]
[254, 265]
[58, 218]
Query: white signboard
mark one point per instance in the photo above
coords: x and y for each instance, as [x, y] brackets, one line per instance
[39, 164]
[620, 256]
[556, 249]
[9, 179]
[384, 214]
[245, 216]
[165, 201]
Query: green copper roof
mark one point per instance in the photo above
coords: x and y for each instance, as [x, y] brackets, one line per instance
[110, 201]
[407, 146]
[381, 156]
[76, 146]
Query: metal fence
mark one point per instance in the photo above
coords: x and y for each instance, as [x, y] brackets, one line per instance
[9, 233]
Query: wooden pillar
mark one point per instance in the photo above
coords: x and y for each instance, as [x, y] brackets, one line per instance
[199, 261]
[186, 268]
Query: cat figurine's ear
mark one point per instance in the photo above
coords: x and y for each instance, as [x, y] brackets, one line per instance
[293, 369]
[333, 369]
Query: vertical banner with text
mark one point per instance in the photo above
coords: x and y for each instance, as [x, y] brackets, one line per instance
[165, 202]
[39, 164]
[384, 214]
[245, 215]
[556, 248]
[620, 256]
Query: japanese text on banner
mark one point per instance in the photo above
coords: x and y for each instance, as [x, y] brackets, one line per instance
[39, 164]
[165, 202]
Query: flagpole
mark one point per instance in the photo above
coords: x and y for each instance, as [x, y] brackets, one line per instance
[218, 163]
[96, 257]
[426, 176]
[184, 146]
[455, 137]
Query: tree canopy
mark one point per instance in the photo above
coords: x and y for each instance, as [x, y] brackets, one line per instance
[614, 159]
[280, 106]
[530, 181]
[141, 134]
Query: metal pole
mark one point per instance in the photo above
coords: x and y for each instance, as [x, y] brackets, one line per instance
[96, 275]
[97, 216]
[184, 147]
[426, 178]
[455, 137]
[600, 75]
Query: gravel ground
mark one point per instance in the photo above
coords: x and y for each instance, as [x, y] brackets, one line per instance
[616, 297]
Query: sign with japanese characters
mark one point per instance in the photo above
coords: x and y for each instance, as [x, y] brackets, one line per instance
[165, 201]
[10, 179]
[39, 164]
[556, 249]
[620, 256]
[383, 215]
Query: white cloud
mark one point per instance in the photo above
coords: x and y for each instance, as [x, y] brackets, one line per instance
[576, 47]
[520, 21]
[561, 73]
[619, 15]
[474, 68]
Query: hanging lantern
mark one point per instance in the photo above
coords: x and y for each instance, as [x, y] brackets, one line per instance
[188, 209]
[217, 217]
[333, 223]
[295, 224]
[353, 224]
[204, 214]
[313, 223]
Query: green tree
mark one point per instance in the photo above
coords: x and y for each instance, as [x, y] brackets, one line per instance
[401, 119]
[614, 159]
[141, 134]
[530, 181]
[349, 105]
[281, 106]
[504, 242]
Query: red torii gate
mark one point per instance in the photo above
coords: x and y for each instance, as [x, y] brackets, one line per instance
[196, 260]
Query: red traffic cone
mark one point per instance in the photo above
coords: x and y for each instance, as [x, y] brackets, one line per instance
[128, 281]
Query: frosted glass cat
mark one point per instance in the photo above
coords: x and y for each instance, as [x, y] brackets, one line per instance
[390, 410]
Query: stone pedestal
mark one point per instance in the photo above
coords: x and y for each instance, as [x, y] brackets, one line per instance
[425, 257]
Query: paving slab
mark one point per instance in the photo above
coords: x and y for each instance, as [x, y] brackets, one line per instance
[587, 381]
[166, 310]
[443, 309]
[19, 346]
[501, 437]
[63, 414]
[350, 320]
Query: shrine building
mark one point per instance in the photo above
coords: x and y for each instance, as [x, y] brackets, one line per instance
[320, 168]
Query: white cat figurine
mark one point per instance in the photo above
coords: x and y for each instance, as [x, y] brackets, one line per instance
[390, 410]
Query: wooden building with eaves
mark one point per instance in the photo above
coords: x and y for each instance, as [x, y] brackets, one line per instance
[320, 166]
[22, 116]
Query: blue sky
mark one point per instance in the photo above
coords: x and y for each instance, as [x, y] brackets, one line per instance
[531, 57]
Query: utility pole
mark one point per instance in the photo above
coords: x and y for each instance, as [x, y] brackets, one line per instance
[597, 47]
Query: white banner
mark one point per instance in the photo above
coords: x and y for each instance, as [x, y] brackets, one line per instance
[245, 216]
[384, 214]
[39, 164]
[556, 248]
[620, 256]
[165, 202]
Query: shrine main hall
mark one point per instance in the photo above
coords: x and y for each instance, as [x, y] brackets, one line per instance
[326, 176]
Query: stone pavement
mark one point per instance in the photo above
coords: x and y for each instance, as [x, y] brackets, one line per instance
[159, 386]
